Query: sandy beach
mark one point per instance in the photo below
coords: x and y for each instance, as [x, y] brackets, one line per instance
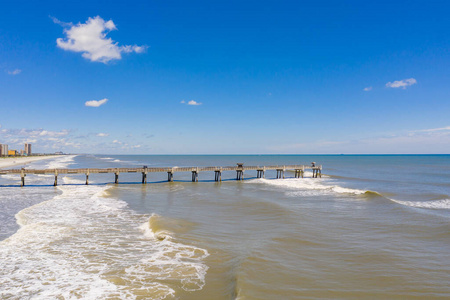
[20, 161]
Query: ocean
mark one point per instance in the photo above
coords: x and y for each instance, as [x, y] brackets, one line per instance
[373, 227]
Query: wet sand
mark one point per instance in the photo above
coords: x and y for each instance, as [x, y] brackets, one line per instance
[19, 161]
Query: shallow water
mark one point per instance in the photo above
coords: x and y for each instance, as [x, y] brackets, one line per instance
[373, 227]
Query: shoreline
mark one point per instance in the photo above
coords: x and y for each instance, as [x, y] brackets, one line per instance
[20, 161]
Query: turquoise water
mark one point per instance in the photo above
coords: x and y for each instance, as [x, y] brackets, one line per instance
[373, 227]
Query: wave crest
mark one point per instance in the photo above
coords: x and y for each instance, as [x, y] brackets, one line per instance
[61, 162]
[436, 204]
[310, 186]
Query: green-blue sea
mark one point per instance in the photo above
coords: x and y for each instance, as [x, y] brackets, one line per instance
[373, 227]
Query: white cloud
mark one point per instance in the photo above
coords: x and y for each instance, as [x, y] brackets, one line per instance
[15, 72]
[90, 39]
[47, 141]
[44, 140]
[193, 102]
[367, 89]
[401, 83]
[95, 103]
[101, 134]
[442, 129]
[64, 24]
[134, 48]
[33, 133]
[54, 133]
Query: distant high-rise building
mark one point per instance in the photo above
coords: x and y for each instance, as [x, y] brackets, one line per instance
[3, 150]
[28, 149]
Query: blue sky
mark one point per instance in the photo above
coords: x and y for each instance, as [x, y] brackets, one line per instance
[264, 76]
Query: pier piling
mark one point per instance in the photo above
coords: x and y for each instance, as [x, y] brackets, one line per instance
[260, 173]
[317, 172]
[299, 173]
[240, 171]
[56, 178]
[217, 175]
[194, 176]
[144, 175]
[280, 173]
[22, 177]
[170, 176]
[116, 177]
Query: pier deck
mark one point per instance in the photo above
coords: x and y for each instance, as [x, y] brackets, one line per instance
[239, 169]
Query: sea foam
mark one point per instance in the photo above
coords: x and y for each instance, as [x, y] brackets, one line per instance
[61, 162]
[310, 186]
[434, 204]
[82, 245]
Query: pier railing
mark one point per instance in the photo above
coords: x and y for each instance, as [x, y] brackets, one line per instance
[299, 171]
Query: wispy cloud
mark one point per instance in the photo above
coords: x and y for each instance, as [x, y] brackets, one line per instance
[101, 134]
[48, 141]
[45, 139]
[124, 146]
[441, 129]
[32, 133]
[401, 83]
[15, 72]
[64, 24]
[434, 140]
[192, 102]
[53, 133]
[90, 39]
[367, 89]
[95, 103]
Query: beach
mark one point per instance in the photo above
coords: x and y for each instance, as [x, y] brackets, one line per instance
[359, 232]
[8, 162]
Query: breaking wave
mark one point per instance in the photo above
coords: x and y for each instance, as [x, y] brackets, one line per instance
[310, 186]
[81, 244]
[316, 186]
[436, 204]
[61, 162]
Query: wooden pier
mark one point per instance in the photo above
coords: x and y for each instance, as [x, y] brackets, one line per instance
[298, 170]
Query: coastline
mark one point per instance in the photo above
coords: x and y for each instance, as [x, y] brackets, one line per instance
[181, 237]
[20, 161]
